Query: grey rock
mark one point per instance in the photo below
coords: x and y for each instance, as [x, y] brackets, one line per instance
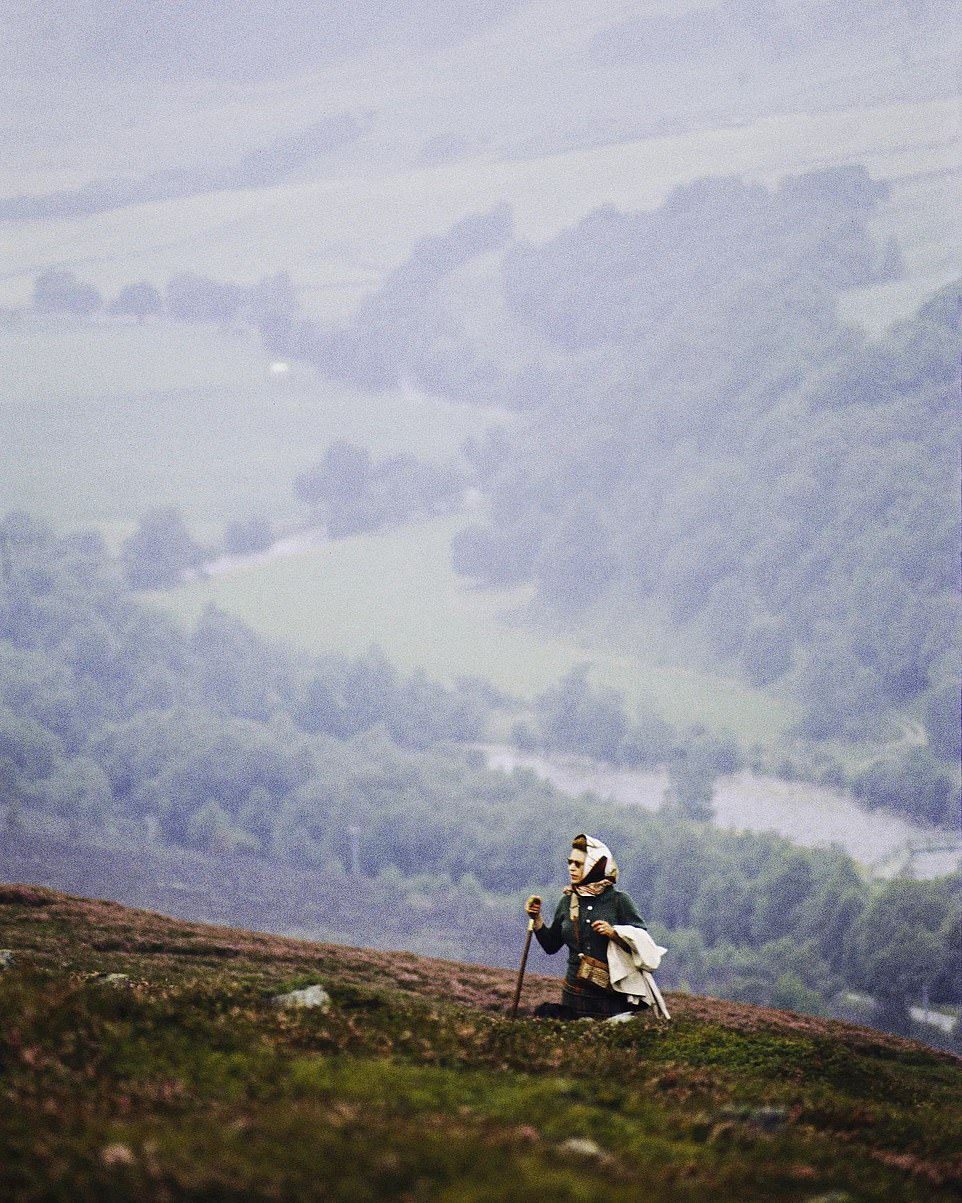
[725, 1133]
[7, 959]
[766, 1119]
[117, 981]
[310, 996]
[582, 1147]
[117, 1155]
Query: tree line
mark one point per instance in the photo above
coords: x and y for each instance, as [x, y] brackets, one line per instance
[116, 723]
[186, 297]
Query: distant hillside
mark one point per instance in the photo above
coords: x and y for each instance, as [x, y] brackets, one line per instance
[707, 451]
[181, 1079]
[426, 112]
[261, 38]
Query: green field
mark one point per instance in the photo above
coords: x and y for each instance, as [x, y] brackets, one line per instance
[67, 360]
[397, 590]
[99, 423]
[339, 233]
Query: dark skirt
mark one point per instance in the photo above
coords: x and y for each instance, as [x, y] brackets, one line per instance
[583, 1000]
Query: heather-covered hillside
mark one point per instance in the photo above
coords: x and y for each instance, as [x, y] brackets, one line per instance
[146, 1058]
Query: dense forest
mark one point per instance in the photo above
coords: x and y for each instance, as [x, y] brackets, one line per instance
[119, 725]
[703, 437]
[788, 489]
[701, 440]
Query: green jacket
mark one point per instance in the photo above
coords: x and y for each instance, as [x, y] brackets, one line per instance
[612, 906]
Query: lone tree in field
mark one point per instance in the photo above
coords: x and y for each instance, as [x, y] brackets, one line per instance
[138, 300]
[59, 291]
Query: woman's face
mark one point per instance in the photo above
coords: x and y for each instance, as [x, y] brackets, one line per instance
[576, 865]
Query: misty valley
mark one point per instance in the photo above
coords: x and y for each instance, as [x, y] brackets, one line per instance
[430, 432]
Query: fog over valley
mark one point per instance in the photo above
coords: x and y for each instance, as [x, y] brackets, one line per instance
[430, 431]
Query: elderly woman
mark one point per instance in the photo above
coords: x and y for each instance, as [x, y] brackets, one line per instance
[585, 920]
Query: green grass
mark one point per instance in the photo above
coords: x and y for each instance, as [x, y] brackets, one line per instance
[100, 423]
[67, 360]
[397, 590]
[188, 1083]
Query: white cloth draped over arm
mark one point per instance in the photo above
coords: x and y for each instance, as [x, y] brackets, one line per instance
[630, 968]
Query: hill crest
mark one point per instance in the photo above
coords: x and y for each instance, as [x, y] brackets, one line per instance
[182, 1079]
[120, 936]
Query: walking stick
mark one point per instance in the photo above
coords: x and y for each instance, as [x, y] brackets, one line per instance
[524, 960]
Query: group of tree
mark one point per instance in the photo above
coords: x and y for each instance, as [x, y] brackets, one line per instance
[116, 723]
[187, 297]
[703, 433]
[575, 716]
[406, 330]
[161, 553]
[348, 491]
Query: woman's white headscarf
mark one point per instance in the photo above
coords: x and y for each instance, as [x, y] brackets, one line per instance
[594, 853]
[607, 874]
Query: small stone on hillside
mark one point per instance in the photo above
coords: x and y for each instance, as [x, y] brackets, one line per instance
[767, 1119]
[582, 1147]
[723, 1134]
[310, 996]
[7, 959]
[622, 1017]
[117, 981]
[117, 1154]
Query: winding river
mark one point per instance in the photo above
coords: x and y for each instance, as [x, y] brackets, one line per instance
[806, 814]
[810, 815]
